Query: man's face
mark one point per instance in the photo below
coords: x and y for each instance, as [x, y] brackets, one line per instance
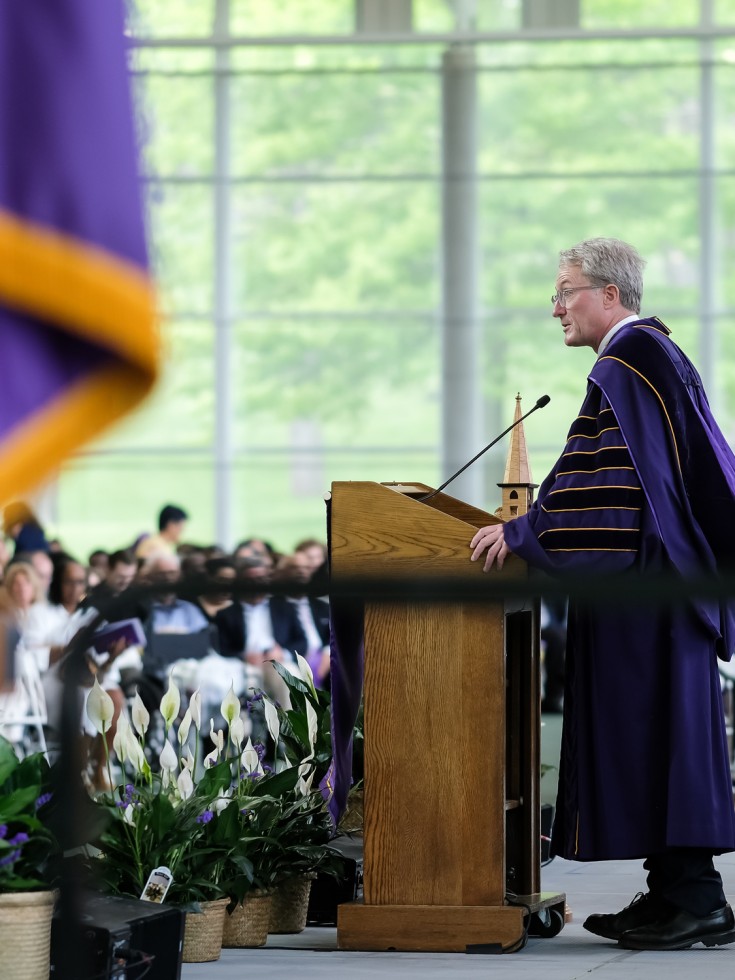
[582, 314]
[175, 530]
[120, 576]
[259, 575]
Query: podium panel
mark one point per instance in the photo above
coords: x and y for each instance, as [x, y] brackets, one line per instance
[451, 728]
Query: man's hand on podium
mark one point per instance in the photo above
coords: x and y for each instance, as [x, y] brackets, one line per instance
[492, 540]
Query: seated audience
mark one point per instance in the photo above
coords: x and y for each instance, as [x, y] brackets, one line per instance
[4, 557]
[97, 566]
[22, 525]
[171, 525]
[25, 699]
[42, 565]
[313, 614]
[257, 548]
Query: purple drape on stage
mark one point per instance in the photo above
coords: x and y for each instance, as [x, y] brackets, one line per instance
[347, 659]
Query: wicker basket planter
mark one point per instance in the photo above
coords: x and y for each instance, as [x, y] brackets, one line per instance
[203, 932]
[291, 904]
[248, 923]
[25, 935]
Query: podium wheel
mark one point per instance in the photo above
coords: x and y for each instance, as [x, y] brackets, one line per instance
[546, 923]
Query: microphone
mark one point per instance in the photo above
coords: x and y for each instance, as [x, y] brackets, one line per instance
[541, 403]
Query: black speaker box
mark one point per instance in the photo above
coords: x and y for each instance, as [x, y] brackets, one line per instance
[121, 939]
[327, 891]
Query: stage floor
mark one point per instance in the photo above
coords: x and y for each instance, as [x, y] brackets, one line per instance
[574, 953]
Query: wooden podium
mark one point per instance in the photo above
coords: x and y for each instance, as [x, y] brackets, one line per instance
[452, 716]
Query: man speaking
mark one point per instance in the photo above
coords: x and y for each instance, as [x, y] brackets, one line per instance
[645, 484]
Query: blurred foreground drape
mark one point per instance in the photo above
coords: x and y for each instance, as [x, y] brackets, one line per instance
[78, 343]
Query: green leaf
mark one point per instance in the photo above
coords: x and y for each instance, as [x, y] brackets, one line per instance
[18, 801]
[293, 682]
[275, 784]
[8, 760]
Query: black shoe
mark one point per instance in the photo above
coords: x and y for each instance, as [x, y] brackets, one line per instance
[642, 911]
[680, 930]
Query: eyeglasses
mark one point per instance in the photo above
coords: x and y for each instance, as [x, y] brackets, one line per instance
[562, 295]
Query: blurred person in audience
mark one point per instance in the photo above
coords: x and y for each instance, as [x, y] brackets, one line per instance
[224, 666]
[171, 526]
[50, 628]
[97, 565]
[313, 613]
[169, 613]
[4, 557]
[271, 627]
[20, 589]
[22, 698]
[313, 553]
[43, 567]
[214, 551]
[193, 560]
[271, 631]
[21, 524]
[215, 601]
[110, 600]
[119, 576]
[257, 548]
[47, 622]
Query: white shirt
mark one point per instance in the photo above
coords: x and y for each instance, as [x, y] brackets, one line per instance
[306, 618]
[45, 626]
[258, 627]
[613, 330]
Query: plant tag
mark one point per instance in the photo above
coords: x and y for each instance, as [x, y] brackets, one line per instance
[157, 885]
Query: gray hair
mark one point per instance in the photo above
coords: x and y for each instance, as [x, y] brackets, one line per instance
[608, 260]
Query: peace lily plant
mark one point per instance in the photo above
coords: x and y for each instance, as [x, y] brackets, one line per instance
[29, 850]
[227, 824]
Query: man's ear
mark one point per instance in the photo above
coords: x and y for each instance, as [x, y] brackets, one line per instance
[611, 295]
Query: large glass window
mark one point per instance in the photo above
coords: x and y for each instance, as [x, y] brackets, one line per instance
[294, 200]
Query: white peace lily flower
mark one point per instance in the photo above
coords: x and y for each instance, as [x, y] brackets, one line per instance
[100, 708]
[170, 703]
[237, 732]
[312, 722]
[305, 672]
[126, 745]
[230, 706]
[271, 719]
[185, 784]
[137, 755]
[218, 738]
[304, 785]
[183, 732]
[222, 801]
[120, 741]
[195, 706]
[168, 758]
[188, 760]
[250, 760]
[129, 813]
[141, 718]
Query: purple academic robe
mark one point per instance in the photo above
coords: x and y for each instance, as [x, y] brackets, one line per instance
[646, 483]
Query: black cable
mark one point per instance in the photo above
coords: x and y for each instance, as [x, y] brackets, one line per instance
[512, 899]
